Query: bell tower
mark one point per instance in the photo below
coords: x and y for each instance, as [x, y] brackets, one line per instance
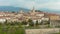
[33, 9]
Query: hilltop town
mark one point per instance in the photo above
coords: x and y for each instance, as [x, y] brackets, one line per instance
[33, 14]
[29, 22]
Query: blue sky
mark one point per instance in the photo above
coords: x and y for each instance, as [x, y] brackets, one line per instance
[38, 4]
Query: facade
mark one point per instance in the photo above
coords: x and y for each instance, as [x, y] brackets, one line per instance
[55, 23]
[56, 17]
[2, 20]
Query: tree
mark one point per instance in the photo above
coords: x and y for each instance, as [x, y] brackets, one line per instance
[30, 22]
[24, 23]
[12, 23]
[5, 22]
[37, 23]
[13, 11]
[17, 23]
[41, 23]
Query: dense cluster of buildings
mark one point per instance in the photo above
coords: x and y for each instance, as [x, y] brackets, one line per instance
[33, 15]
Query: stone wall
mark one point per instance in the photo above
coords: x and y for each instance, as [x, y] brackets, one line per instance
[55, 23]
[42, 31]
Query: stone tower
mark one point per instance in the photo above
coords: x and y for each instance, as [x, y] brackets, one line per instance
[33, 10]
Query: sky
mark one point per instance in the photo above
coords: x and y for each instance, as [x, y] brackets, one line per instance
[38, 4]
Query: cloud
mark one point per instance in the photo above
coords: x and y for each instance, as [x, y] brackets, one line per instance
[38, 4]
[53, 5]
[4, 3]
[24, 3]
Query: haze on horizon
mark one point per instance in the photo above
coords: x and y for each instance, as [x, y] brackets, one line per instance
[44, 5]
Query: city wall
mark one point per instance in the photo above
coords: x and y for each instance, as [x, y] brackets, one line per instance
[42, 31]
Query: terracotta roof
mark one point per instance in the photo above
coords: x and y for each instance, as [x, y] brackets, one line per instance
[51, 14]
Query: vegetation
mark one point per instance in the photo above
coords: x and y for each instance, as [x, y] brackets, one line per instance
[30, 22]
[11, 28]
[18, 28]
[24, 23]
[37, 23]
[13, 11]
[56, 33]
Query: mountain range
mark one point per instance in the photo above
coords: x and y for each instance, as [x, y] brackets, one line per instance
[16, 9]
[11, 8]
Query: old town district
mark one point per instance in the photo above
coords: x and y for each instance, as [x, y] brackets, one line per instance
[32, 16]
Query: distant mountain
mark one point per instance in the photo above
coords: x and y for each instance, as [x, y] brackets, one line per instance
[10, 8]
[50, 10]
[16, 9]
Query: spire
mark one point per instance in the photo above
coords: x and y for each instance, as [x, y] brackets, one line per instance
[33, 10]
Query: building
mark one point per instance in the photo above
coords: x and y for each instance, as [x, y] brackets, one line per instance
[2, 20]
